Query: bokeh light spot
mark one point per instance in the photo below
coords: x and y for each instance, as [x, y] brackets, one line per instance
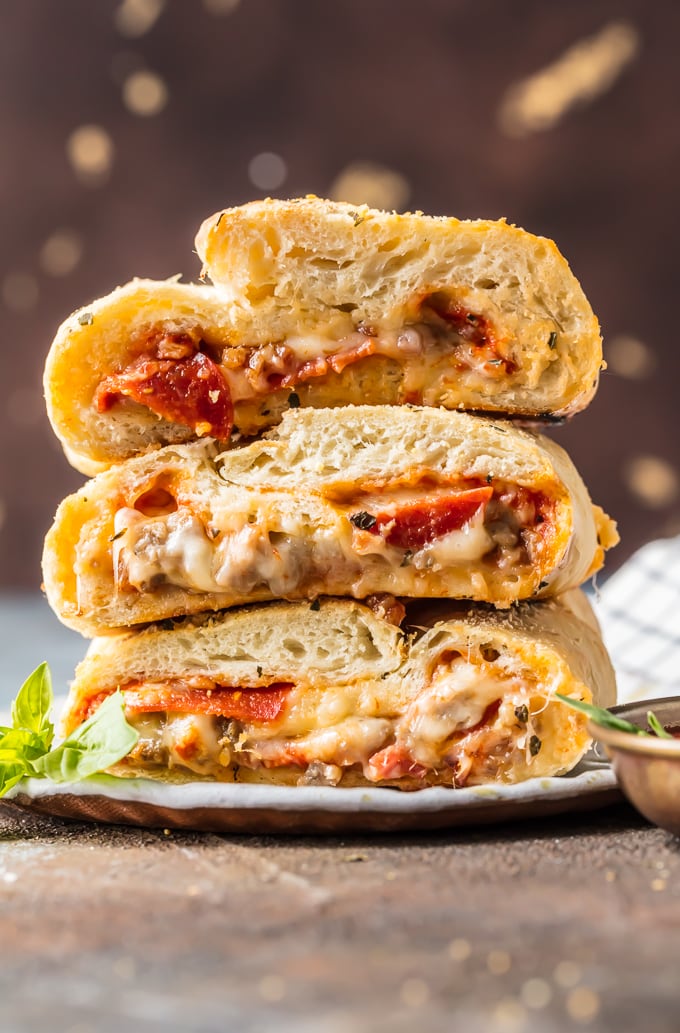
[371, 184]
[145, 94]
[61, 253]
[134, 18]
[652, 480]
[90, 150]
[20, 292]
[583, 72]
[629, 357]
[267, 171]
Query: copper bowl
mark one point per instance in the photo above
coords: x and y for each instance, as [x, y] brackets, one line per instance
[647, 768]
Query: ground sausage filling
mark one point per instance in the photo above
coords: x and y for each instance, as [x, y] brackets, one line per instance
[159, 540]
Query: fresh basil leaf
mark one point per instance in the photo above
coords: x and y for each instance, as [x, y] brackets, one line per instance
[31, 709]
[601, 716]
[11, 773]
[656, 726]
[19, 743]
[101, 741]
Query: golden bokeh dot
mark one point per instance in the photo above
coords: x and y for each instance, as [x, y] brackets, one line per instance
[267, 170]
[567, 974]
[90, 150]
[498, 962]
[583, 1004]
[272, 988]
[134, 18]
[658, 885]
[364, 182]
[61, 253]
[221, 6]
[536, 993]
[145, 94]
[652, 480]
[509, 1014]
[20, 292]
[414, 993]
[459, 950]
[586, 70]
[629, 357]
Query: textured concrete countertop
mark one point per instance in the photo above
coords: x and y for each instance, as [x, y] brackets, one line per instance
[548, 925]
[562, 924]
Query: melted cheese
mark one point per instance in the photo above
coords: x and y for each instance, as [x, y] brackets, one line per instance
[442, 728]
[467, 545]
[423, 351]
[175, 549]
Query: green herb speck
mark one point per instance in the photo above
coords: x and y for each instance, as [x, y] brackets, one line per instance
[363, 520]
[534, 745]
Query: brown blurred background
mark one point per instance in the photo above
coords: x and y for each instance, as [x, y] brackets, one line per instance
[125, 122]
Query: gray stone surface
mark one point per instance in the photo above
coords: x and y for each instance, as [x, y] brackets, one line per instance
[560, 924]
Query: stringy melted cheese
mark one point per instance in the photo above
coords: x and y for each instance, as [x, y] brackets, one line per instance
[443, 727]
[176, 550]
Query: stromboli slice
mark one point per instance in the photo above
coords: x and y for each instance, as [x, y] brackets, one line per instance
[529, 342]
[320, 304]
[339, 695]
[412, 501]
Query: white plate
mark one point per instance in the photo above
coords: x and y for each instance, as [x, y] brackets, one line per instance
[225, 807]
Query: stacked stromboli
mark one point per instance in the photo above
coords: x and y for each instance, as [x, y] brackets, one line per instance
[308, 553]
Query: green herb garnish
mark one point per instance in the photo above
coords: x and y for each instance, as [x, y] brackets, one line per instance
[294, 400]
[117, 535]
[656, 726]
[522, 714]
[601, 716]
[552, 340]
[26, 748]
[534, 745]
[316, 605]
[86, 319]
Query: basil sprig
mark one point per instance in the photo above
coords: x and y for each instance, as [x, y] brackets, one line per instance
[26, 748]
[606, 719]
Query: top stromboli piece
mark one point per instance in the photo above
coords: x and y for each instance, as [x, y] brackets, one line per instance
[523, 338]
[321, 304]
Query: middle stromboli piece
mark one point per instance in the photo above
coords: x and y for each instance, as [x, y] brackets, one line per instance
[411, 501]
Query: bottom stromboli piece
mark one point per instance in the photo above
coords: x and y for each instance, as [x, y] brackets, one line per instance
[338, 694]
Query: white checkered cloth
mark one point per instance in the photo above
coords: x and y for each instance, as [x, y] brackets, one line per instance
[639, 610]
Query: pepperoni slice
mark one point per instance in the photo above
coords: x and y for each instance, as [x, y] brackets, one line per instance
[416, 524]
[466, 324]
[191, 391]
[242, 704]
[394, 762]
